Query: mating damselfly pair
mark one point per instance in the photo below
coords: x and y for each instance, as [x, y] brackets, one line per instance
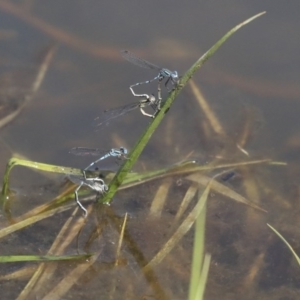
[145, 99]
[96, 183]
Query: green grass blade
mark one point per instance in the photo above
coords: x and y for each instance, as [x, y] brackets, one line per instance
[34, 165]
[198, 253]
[142, 142]
[39, 258]
[133, 179]
[203, 278]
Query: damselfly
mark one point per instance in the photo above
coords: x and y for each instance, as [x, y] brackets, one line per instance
[95, 183]
[147, 100]
[172, 76]
[119, 153]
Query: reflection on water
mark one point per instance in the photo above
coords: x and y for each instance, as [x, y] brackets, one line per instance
[244, 119]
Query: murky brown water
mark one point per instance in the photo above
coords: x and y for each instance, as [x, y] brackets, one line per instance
[251, 81]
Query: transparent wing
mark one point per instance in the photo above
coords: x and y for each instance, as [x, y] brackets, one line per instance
[110, 114]
[139, 61]
[82, 151]
[76, 179]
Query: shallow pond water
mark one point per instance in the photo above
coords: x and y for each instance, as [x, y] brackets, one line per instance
[251, 85]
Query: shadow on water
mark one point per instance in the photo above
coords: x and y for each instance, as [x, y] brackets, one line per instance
[241, 124]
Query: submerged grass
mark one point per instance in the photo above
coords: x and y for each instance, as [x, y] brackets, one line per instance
[180, 232]
[133, 179]
[287, 243]
[124, 179]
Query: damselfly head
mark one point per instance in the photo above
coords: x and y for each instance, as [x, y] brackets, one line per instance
[152, 99]
[123, 150]
[175, 76]
[100, 186]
